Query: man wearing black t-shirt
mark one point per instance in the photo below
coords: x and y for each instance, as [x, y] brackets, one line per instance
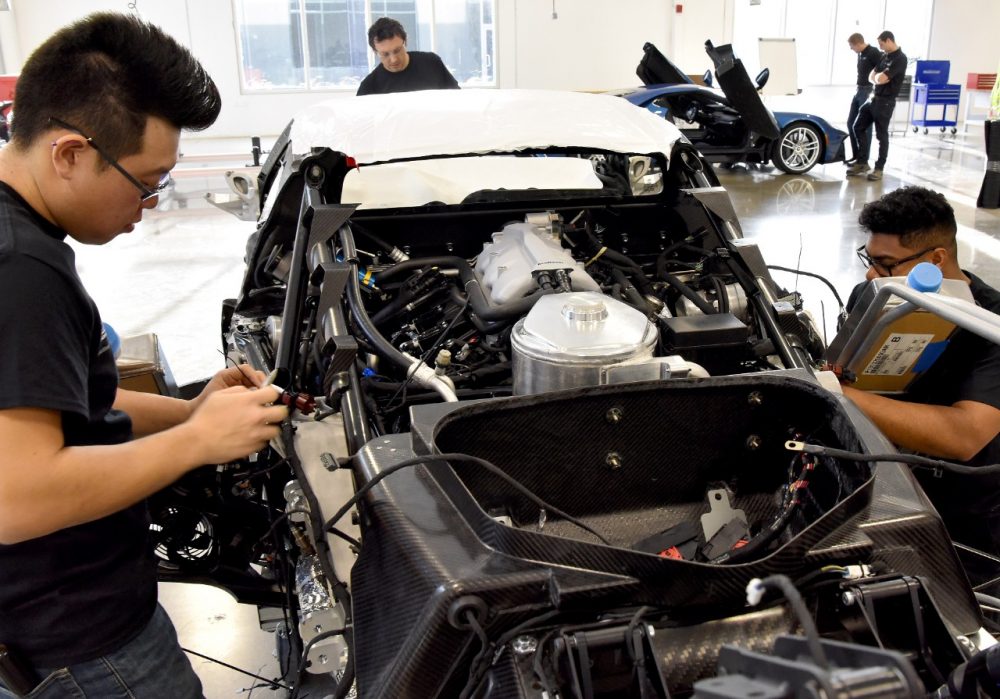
[887, 77]
[100, 107]
[952, 410]
[399, 70]
[868, 58]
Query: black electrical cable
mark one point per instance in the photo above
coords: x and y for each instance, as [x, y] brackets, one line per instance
[433, 348]
[481, 306]
[305, 656]
[273, 684]
[537, 664]
[476, 676]
[346, 537]
[783, 584]
[823, 279]
[280, 571]
[911, 459]
[484, 647]
[247, 475]
[461, 458]
[339, 589]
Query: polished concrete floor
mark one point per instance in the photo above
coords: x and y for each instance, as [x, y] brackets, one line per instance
[171, 274]
[809, 222]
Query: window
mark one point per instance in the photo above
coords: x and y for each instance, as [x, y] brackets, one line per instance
[323, 44]
[821, 28]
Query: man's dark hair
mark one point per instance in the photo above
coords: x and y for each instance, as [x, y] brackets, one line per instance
[919, 216]
[855, 39]
[887, 36]
[105, 74]
[385, 28]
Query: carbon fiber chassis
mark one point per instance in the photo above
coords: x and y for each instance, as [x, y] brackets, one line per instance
[433, 543]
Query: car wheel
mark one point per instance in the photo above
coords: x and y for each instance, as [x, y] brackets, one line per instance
[798, 148]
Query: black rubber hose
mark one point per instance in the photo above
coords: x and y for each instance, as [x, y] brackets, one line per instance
[450, 261]
[357, 305]
[481, 325]
[470, 282]
[633, 296]
[402, 302]
[686, 291]
[638, 276]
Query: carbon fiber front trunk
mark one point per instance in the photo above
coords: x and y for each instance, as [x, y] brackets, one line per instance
[435, 536]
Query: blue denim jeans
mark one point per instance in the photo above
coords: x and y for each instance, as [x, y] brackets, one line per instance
[150, 666]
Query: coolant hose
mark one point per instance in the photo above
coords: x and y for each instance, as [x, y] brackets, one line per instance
[686, 291]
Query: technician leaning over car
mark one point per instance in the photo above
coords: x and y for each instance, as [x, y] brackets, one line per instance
[887, 77]
[953, 410]
[100, 106]
[399, 70]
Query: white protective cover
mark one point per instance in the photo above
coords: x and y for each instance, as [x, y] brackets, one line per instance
[451, 180]
[379, 128]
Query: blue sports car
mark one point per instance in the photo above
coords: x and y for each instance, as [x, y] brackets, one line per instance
[733, 125]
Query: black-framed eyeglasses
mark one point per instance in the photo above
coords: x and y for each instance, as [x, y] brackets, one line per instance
[884, 269]
[145, 191]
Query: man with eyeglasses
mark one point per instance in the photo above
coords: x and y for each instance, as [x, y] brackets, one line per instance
[100, 107]
[952, 410]
[398, 69]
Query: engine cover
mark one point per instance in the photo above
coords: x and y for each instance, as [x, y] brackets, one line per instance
[509, 264]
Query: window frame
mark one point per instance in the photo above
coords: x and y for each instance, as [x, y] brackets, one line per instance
[303, 32]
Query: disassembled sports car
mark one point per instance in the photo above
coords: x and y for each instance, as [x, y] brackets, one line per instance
[555, 431]
[733, 125]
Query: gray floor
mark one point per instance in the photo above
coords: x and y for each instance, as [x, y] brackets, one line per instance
[170, 275]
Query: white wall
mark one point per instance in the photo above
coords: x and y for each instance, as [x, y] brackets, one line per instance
[593, 45]
[964, 32]
[699, 21]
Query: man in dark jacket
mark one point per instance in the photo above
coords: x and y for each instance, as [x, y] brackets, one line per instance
[400, 70]
[868, 58]
[887, 77]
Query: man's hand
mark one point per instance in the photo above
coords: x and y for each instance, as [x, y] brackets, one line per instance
[46, 485]
[242, 375]
[152, 413]
[230, 423]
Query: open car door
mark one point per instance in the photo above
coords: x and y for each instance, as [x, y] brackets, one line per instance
[656, 69]
[740, 91]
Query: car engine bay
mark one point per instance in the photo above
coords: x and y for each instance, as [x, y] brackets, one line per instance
[560, 443]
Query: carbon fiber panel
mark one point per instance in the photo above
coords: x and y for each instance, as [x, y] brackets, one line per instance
[431, 537]
[690, 653]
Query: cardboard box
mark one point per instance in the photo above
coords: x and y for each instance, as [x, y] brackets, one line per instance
[142, 367]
